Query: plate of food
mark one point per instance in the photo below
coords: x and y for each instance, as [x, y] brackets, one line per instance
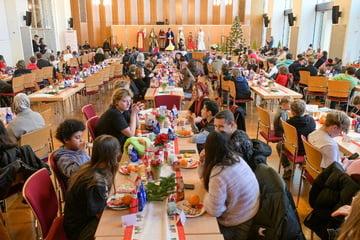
[183, 133]
[191, 210]
[119, 201]
[188, 163]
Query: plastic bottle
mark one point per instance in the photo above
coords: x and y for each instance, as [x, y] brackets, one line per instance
[180, 194]
[174, 111]
[8, 116]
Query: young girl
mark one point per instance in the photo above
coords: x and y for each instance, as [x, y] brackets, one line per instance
[71, 155]
[88, 189]
[234, 203]
[282, 77]
[284, 106]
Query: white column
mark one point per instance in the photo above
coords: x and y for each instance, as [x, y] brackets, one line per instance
[62, 13]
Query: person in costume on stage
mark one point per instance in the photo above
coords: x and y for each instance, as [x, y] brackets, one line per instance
[170, 40]
[153, 42]
[191, 44]
[140, 39]
[180, 35]
[201, 43]
[162, 39]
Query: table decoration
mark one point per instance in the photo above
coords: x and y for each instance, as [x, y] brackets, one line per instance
[159, 191]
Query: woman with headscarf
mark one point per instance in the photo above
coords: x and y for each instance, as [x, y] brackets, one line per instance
[26, 119]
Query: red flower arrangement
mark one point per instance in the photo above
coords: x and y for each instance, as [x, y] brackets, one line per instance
[161, 139]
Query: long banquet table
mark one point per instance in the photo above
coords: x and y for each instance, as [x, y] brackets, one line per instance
[203, 227]
[266, 94]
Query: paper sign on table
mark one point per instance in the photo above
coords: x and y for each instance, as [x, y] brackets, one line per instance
[182, 218]
[128, 220]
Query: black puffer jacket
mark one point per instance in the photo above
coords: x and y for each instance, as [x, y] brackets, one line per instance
[332, 189]
[277, 218]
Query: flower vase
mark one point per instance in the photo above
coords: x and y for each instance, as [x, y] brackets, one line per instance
[156, 171]
[163, 88]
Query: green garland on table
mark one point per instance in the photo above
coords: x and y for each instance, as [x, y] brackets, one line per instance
[158, 192]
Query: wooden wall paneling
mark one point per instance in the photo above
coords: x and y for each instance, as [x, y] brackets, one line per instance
[191, 12]
[256, 21]
[166, 10]
[102, 16]
[214, 34]
[153, 14]
[115, 12]
[84, 33]
[216, 15]
[90, 23]
[119, 34]
[178, 12]
[98, 38]
[229, 14]
[242, 10]
[75, 14]
[204, 12]
[127, 11]
[141, 12]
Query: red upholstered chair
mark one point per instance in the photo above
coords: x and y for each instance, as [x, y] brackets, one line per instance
[56, 231]
[264, 126]
[60, 184]
[88, 111]
[91, 125]
[40, 194]
[168, 100]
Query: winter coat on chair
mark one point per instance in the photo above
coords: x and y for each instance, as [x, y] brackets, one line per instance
[332, 189]
[277, 218]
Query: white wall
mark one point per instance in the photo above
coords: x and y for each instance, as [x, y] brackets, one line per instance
[352, 17]
[304, 10]
[62, 12]
[10, 42]
[276, 13]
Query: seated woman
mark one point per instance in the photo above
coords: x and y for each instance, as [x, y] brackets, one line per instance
[119, 120]
[282, 77]
[272, 69]
[186, 82]
[200, 95]
[233, 203]
[241, 85]
[139, 80]
[21, 68]
[133, 87]
[99, 56]
[89, 188]
[26, 119]
[71, 155]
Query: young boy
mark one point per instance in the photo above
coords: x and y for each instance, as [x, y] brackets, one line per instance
[71, 155]
[284, 106]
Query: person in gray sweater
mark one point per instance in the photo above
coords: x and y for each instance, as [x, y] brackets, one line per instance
[26, 119]
[71, 155]
[233, 194]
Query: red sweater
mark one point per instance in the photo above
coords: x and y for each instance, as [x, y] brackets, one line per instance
[282, 79]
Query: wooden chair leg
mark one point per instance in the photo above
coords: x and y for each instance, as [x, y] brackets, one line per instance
[300, 184]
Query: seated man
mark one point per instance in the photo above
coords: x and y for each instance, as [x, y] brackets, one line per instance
[72, 154]
[26, 120]
[336, 122]
[304, 125]
[241, 143]
[208, 112]
[347, 76]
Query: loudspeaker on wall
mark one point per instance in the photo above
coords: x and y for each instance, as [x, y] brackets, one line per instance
[336, 14]
[71, 23]
[291, 19]
[28, 18]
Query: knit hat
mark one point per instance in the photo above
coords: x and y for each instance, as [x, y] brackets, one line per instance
[21, 102]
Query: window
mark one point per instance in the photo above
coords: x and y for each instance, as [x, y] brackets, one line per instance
[41, 13]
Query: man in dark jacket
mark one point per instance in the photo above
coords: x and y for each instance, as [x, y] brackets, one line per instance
[295, 66]
[332, 189]
[277, 217]
[42, 62]
[304, 125]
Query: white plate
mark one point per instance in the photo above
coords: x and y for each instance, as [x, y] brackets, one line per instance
[111, 202]
[189, 210]
[191, 163]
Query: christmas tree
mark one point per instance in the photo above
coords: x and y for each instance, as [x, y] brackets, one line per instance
[236, 38]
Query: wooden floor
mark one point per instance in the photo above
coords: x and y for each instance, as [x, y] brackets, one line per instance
[20, 221]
